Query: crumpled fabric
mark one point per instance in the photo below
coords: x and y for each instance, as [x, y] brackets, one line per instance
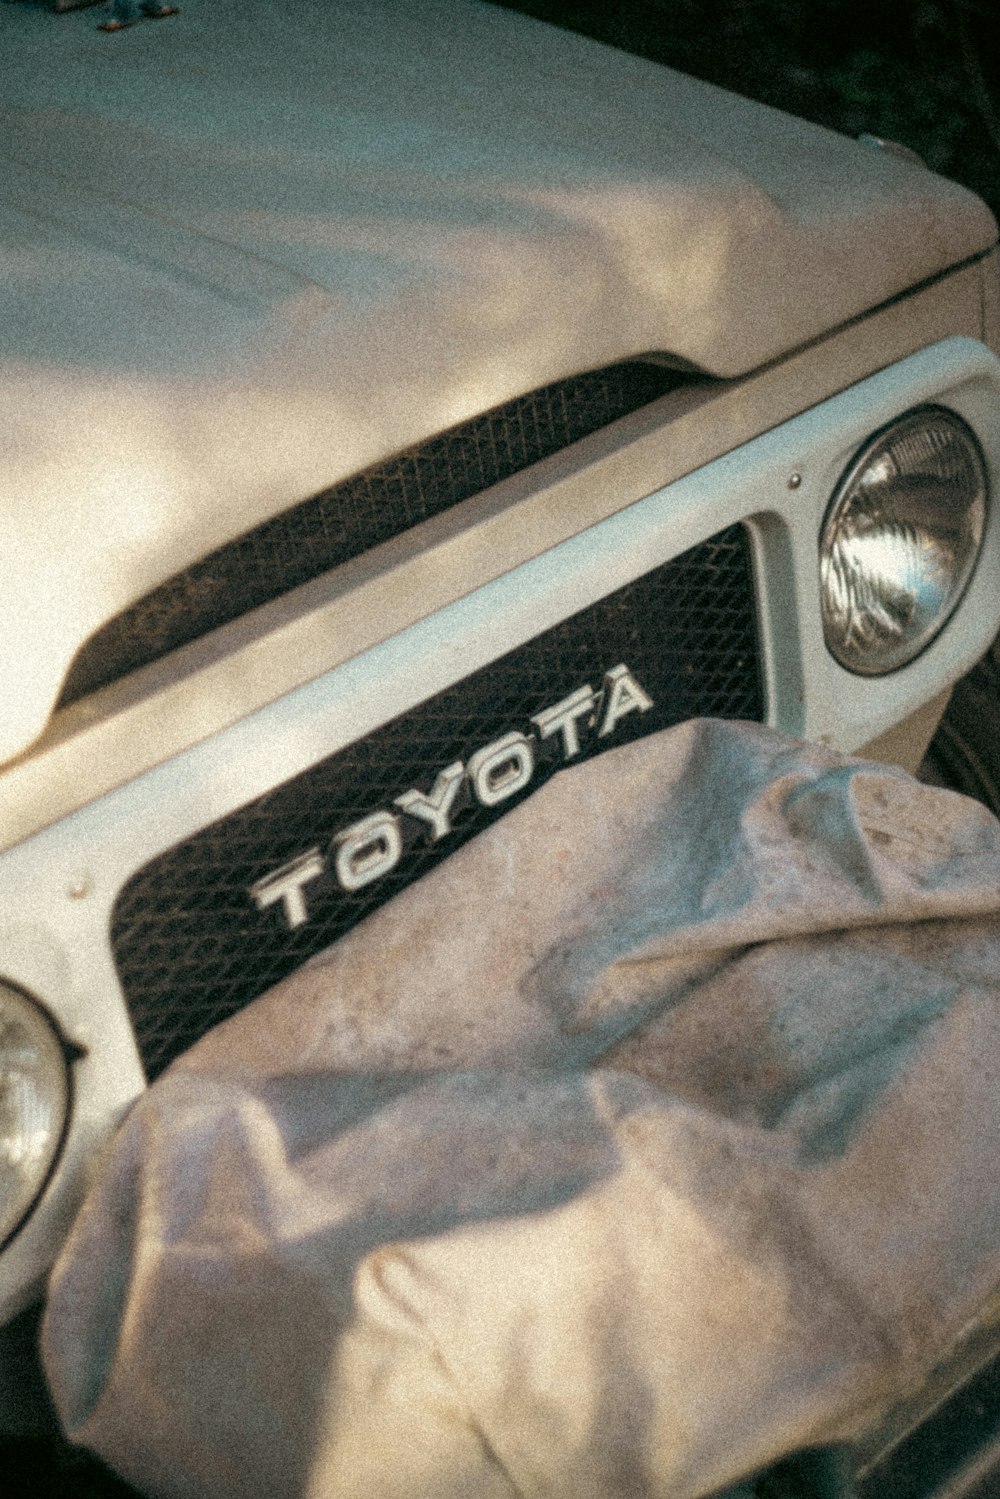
[651, 1137]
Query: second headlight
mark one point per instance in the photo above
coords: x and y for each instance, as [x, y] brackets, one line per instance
[34, 1103]
[900, 540]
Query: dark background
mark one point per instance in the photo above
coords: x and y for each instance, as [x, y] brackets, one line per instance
[925, 73]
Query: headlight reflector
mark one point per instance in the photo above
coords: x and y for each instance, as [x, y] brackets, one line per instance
[34, 1102]
[900, 540]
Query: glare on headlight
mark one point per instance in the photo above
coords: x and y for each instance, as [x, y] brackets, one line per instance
[34, 1102]
[900, 540]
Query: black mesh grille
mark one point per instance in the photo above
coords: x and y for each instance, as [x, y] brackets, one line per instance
[348, 520]
[190, 945]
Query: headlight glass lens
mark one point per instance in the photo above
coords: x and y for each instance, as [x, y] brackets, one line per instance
[34, 1101]
[900, 540]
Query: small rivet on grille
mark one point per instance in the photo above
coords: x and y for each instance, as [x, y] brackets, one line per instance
[80, 888]
[794, 480]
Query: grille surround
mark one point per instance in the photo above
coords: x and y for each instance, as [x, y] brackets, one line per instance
[190, 945]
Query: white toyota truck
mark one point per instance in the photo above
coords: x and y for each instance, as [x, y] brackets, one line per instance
[397, 403]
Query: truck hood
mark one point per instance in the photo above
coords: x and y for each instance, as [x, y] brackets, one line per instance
[256, 247]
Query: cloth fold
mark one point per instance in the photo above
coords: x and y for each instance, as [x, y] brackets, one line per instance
[647, 1139]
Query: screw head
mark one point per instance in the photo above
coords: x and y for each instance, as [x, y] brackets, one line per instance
[794, 480]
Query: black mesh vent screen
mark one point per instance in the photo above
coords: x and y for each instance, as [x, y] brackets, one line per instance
[346, 521]
[191, 945]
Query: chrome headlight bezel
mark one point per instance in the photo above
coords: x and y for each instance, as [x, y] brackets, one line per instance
[878, 621]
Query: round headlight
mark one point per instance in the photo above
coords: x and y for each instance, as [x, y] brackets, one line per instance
[900, 540]
[34, 1102]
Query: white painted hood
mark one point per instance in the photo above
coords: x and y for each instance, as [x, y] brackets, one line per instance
[253, 248]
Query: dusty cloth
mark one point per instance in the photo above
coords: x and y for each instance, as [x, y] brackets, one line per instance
[652, 1136]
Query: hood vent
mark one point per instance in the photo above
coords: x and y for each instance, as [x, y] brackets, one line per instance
[343, 522]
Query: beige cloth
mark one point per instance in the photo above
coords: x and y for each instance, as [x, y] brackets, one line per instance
[652, 1136]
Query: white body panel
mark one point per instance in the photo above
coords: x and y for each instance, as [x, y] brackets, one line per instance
[57, 887]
